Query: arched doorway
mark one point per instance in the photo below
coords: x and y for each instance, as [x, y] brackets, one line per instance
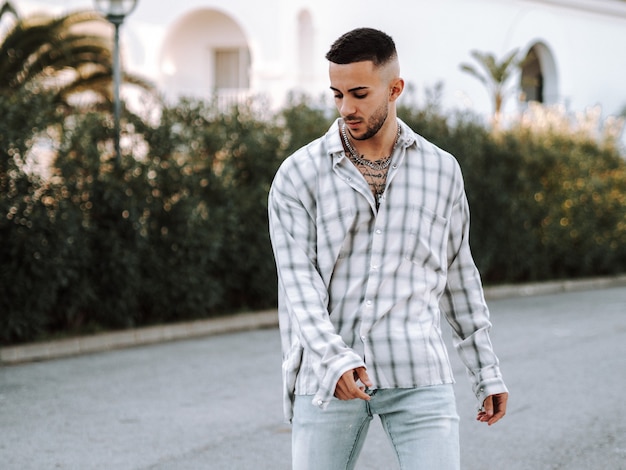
[538, 75]
[206, 54]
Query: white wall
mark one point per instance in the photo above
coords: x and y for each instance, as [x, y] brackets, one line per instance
[433, 38]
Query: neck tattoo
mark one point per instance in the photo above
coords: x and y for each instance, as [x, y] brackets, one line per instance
[374, 172]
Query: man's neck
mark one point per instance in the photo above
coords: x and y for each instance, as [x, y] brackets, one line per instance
[380, 145]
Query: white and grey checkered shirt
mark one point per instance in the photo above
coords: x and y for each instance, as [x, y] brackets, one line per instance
[361, 287]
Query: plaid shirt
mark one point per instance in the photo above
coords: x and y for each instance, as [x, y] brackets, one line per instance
[365, 287]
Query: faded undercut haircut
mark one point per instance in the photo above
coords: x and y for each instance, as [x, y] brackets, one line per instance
[363, 44]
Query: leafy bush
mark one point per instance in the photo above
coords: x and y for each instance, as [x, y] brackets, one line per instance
[304, 120]
[573, 198]
[29, 244]
[178, 230]
[547, 196]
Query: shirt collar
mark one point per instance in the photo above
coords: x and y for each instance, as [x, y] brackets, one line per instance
[333, 139]
[335, 146]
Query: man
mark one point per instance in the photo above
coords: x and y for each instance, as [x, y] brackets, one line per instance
[369, 226]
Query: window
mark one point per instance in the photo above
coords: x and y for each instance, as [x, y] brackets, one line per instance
[532, 78]
[231, 69]
[539, 77]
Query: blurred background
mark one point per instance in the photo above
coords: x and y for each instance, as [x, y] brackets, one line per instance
[138, 140]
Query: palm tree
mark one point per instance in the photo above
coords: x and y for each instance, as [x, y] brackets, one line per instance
[43, 53]
[494, 75]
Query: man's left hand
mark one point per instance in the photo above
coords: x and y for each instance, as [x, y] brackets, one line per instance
[494, 408]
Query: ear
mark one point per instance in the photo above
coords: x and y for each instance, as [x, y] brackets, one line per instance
[395, 88]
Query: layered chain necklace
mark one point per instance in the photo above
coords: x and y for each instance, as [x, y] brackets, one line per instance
[374, 172]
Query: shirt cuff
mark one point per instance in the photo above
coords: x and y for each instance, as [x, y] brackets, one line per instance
[488, 387]
[333, 372]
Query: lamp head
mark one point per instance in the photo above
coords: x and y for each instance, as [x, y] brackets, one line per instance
[115, 10]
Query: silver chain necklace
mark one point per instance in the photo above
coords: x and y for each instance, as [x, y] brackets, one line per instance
[384, 162]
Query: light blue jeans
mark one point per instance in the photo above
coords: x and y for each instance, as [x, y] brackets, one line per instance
[421, 423]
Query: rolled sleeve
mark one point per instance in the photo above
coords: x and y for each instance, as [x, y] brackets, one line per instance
[466, 309]
[303, 296]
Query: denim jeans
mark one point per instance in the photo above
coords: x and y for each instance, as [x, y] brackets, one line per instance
[422, 425]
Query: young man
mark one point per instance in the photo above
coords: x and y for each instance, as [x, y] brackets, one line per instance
[369, 226]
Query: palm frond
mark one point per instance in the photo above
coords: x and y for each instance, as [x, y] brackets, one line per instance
[475, 73]
[7, 7]
[496, 73]
[65, 55]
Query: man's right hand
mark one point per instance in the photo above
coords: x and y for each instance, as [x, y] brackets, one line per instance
[347, 387]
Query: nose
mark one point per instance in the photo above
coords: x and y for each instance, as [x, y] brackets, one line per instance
[347, 107]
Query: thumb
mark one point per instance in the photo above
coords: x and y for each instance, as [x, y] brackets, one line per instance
[362, 375]
[488, 406]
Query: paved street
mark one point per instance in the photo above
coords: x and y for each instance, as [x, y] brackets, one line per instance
[214, 403]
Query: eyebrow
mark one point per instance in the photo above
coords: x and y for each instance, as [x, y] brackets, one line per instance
[351, 90]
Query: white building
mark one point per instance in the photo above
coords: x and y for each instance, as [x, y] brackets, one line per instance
[239, 47]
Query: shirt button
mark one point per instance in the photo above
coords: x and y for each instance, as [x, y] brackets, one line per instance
[363, 338]
[368, 303]
[320, 402]
[378, 231]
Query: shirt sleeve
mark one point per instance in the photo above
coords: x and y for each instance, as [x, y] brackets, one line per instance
[304, 302]
[466, 310]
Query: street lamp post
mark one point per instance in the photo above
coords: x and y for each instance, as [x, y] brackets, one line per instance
[115, 11]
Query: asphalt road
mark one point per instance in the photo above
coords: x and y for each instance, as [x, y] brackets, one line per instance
[214, 403]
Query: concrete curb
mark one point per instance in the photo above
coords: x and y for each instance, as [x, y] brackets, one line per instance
[135, 337]
[553, 287]
[241, 322]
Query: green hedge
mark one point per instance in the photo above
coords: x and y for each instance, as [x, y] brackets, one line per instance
[546, 202]
[178, 230]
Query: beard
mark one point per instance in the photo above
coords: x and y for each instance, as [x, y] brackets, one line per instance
[374, 123]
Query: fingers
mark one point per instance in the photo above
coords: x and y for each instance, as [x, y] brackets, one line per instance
[486, 412]
[347, 387]
[494, 408]
[361, 374]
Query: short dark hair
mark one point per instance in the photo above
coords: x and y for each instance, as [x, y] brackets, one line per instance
[363, 44]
